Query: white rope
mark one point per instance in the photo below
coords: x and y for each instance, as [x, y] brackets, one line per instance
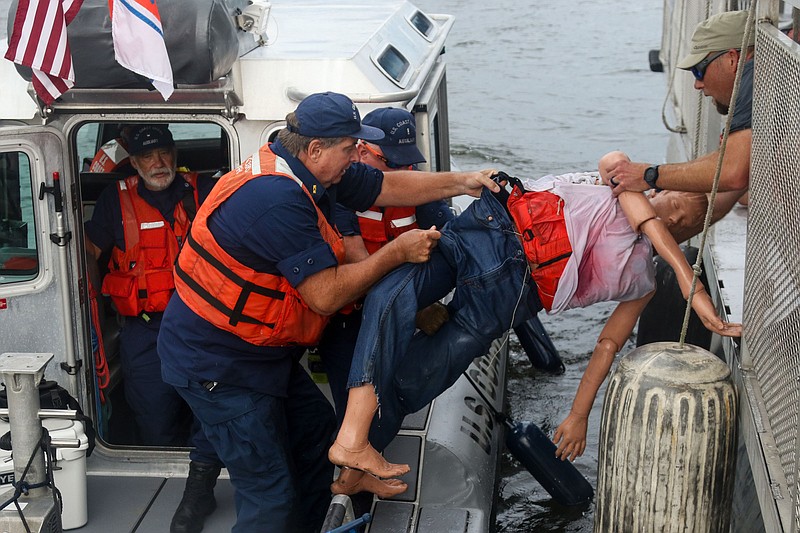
[697, 268]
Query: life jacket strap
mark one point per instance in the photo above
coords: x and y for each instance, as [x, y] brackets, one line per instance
[234, 315]
[215, 303]
[230, 274]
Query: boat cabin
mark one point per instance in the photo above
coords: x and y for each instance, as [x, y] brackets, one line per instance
[380, 53]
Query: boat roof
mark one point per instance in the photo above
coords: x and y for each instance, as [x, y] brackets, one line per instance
[375, 51]
[312, 29]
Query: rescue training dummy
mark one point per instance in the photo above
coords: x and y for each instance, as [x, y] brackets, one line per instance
[492, 262]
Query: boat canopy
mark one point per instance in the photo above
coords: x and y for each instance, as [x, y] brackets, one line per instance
[374, 51]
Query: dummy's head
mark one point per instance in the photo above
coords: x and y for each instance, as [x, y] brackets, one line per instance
[609, 160]
[682, 212]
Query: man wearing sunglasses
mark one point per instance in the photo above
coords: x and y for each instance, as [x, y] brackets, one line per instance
[713, 61]
[396, 151]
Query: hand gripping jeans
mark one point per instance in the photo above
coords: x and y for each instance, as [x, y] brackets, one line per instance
[480, 256]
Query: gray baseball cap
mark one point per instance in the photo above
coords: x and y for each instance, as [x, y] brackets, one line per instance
[715, 34]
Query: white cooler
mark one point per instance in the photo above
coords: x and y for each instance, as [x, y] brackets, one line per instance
[70, 478]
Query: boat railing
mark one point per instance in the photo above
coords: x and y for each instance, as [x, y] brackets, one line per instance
[772, 270]
[686, 109]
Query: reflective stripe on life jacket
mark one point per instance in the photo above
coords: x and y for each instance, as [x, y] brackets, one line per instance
[380, 225]
[539, 217]
[263, 309]
[140, 278]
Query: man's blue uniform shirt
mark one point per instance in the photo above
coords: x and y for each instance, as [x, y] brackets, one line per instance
[270, 225]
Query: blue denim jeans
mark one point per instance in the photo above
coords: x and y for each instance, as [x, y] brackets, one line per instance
[480, 256]
[275, 450]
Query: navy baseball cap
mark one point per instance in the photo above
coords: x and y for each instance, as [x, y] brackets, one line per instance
[400, 143]
[330, 115]
[147, 137]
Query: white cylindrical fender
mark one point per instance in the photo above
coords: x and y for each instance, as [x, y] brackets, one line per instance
[667, 443]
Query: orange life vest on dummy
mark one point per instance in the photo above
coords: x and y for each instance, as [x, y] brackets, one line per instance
[140, 278]
[263, 309]
[379, 225]
[112, 155]
[539, 217]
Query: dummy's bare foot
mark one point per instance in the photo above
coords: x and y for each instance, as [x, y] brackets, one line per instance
[351, 481]
[366, 459]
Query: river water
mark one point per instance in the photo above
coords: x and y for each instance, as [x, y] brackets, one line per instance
[539, 87]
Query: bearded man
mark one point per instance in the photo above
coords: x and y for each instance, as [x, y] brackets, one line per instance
[141, 222]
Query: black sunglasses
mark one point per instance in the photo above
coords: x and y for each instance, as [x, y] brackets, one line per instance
[383, 158]
[699, 70]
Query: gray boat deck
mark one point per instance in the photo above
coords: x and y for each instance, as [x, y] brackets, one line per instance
[146, 504]
[128, 504]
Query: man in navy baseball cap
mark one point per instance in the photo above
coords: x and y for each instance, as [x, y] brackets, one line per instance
[264, 270]
[329, 115]
[399, 145]
[148, 137]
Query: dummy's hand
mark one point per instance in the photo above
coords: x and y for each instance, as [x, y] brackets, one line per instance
[432, 318]
[704, 307]
[475, 182]
[625, 176]
[570, 437]
[416, 245]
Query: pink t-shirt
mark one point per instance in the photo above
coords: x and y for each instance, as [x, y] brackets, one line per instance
[609, 260]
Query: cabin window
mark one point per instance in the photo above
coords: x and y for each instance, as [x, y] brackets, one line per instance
[420, 22]
[19, 260]
[202, 147]
[393, 63]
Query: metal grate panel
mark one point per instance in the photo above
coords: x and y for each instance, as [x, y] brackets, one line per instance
[772, 295]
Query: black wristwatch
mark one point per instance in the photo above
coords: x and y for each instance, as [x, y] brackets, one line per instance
[651, 176]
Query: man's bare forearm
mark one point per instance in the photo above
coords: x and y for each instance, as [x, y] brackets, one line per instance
[407, 188]
[331, 289]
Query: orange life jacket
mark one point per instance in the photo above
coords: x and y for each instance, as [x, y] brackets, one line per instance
[379, 225]
[263, 309]
[539, 217]
[140, 278]
[111, 156]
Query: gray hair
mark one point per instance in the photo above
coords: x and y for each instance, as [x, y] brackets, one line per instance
[296, 143]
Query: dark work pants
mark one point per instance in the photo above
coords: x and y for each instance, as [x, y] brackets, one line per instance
[162, 417]
[275, 450]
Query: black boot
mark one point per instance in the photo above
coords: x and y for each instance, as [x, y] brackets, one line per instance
[198, 499]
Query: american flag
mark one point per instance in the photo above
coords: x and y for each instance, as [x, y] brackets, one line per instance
[39, 41]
